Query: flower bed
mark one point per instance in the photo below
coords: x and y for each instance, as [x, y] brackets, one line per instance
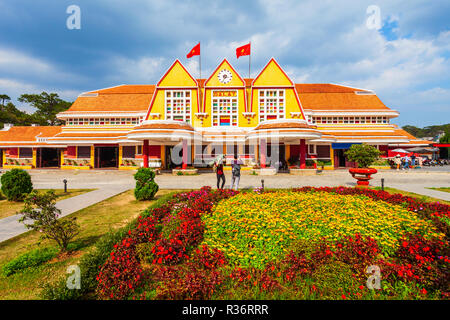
[310, 243]
[254, 229]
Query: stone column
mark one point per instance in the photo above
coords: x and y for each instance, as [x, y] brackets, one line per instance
[145, 153]
[263, 152]
[185, 154]
[302, 154]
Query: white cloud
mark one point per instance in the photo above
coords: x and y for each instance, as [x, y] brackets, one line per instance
[17, 62]
[136, 71]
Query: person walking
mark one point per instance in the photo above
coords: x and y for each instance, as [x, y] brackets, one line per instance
[397, 161]
[413, 160]
[420, 161]
[235, 172]
[218, 168]
[406, 166]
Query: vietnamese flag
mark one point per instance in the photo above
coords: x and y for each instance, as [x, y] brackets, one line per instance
[243, 51]
[194, 52]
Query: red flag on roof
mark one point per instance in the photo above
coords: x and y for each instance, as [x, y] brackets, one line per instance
[194, 52]
[243, 51]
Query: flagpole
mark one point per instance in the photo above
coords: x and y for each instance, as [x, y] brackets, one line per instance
[200, 61]
[249, 59]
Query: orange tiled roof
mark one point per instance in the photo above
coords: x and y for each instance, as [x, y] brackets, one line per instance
[88, 135]
[28, 134]
[284, 125]
[127, 88]
[325, 96]
[413, 139]
[364, 134]
[162, 125]
[124, 98]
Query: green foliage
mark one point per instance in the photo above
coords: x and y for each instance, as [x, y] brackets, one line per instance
[41, 209]
[16, 184]
[91, 261]
[30, 259]
[47, 105]
[429, 131]
[334, 279]
[146, 187]
[363, 154]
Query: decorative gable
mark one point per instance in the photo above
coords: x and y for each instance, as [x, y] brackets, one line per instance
[272, 76]
[177, 76]
[224, 76]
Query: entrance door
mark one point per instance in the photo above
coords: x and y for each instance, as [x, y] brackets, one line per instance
[341, 157]
[48, 158]
[106, 157]
[169, 163]
[276, 156]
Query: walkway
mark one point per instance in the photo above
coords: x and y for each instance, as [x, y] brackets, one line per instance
[110, 183]
[106, 186]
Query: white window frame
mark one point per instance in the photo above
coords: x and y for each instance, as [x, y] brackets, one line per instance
[263, 109]
[216, 113]
[314, 149]
[186, 114]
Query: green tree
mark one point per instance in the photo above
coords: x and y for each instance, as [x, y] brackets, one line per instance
[16, 184]
[47, 106]
[41, 209]
[146, 187]
[4, 98]
[445, 152]
[363, 154]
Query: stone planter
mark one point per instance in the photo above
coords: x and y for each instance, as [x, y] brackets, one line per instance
[267, 171]
[302, 172]
[363, 175]
[184, 172]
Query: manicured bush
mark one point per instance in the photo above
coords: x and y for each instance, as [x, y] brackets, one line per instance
[41, 209]
[363, 154]
[146, 187]
[16, 184]
[30, 259]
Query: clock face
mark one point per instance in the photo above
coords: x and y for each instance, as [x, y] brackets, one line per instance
[225, 76]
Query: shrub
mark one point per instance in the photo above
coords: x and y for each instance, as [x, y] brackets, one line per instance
[42, 210]
[146, 187]
[363, 154]
[16, 184]
[92, 261]
[33, 258]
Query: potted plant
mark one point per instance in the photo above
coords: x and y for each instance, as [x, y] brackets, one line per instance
[363, 155]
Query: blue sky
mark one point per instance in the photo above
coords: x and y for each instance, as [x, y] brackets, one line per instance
[406, 61]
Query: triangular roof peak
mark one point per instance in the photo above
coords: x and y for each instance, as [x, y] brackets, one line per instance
[272, 75]
[172, 76]
[233, 83]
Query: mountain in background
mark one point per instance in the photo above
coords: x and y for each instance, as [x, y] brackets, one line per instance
[429, 131]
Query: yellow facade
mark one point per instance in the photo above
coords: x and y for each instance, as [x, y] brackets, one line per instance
[227, 83]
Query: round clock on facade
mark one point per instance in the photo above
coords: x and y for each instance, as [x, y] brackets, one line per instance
[225, 76]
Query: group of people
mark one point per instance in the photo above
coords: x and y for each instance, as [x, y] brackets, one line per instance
[235, 172]
[406, 162]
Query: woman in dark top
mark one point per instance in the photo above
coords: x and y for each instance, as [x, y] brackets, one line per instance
[219, 173]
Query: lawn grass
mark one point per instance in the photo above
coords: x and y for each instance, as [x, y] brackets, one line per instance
[414, 195]
[95, 221]
[9, 208]
[444, 189]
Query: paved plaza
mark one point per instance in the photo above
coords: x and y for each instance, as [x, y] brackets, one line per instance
[112, 182]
